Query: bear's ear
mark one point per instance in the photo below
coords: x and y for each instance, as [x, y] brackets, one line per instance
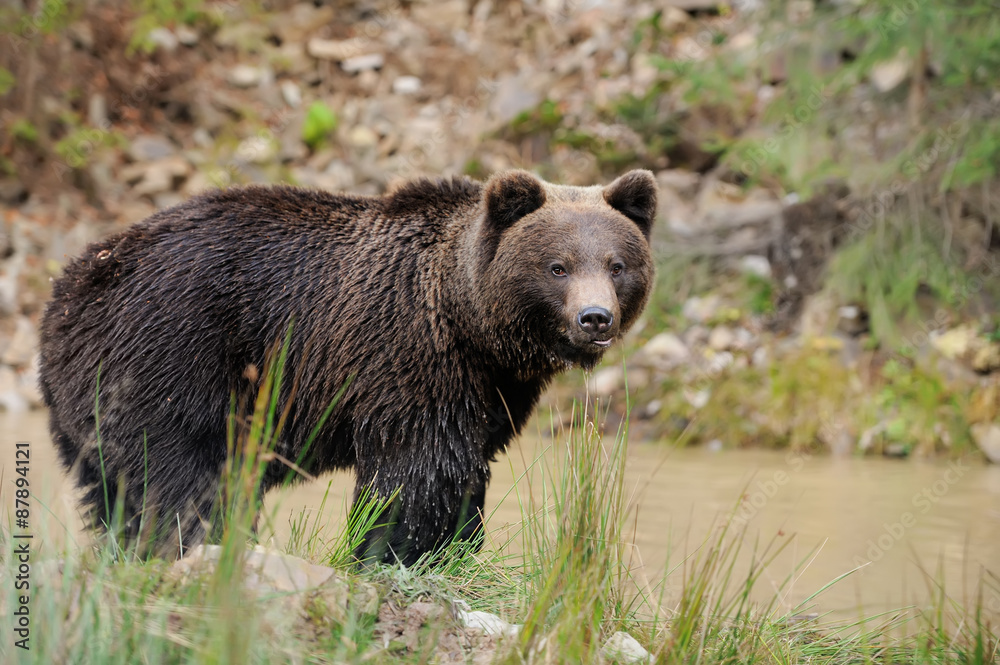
[634, 195]
[510, 196]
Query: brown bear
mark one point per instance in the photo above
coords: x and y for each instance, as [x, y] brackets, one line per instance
[445, 307]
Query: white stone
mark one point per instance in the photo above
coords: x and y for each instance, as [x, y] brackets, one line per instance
[10, 397]
[163, 39]
[291, 93]
[362, 137]
[954, 343]
[256, 150]
[486, 622]
[721, 338]
[337, 49]
[363, 63]
[23, 344]
[887, 75]
[406, 85]
[754, 264]
[245, 76]
[697, 398]
[700, 310]
[623, 648]
[987, 437]
[605, 381]
[666, 346]
[185, 35]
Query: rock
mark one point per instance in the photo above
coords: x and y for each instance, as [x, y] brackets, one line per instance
[28, 385]
[666, 346]
[338, 49]
[97, 110]
[513, 95]
[885, 76]
[721, 338]
[186, 35]
[245, 76]
[954, 343]
[701, 309]
[291, 93]
[755, 264]
[363, 63]
[867, 439]
[268, 573]
[488, 623]
[683, 182]
[987, 437]
[242, 35]
[817, 315]
[82, 35]
[362, 137]
[10, 395]
[623, 648]
[406, 85]
[673, 18]
[256, 150]
[163, 39]
[987, 358]
[697, 398]
[852, 320]
[605, 381]
[761, 357]
[719, 362]
[163, 175]
[150, 147]
[302, 19]
[12, 191]
[23, 344]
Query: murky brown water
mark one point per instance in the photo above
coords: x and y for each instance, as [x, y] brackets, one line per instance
[904, 516]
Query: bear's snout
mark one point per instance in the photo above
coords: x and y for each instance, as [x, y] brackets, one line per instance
[595, 321]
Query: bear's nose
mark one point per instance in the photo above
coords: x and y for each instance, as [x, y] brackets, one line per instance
[595, 320]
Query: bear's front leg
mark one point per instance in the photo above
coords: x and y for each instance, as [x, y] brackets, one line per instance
[435, 505]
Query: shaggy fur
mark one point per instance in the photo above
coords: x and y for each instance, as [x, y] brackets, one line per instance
[451, 303]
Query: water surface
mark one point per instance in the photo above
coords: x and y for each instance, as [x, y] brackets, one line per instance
[911, 522]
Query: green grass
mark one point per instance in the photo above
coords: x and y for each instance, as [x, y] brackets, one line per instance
[565, 573]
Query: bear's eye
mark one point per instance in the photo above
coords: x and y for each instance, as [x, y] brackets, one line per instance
[617, 269]
[558, 270]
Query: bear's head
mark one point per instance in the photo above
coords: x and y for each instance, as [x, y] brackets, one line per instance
[562, 272]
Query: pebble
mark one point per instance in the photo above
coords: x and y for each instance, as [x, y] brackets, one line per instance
[291, 93]
[623, 648]
[362, 137]
[22, 345]
[337, 49]
[987, 437]
[754, 264]
[362, 63]
[245, 76]
[164, 39]
[186, 36]
[721, 338]
[256, 150]
[605, 381]
[149, 147]
[701, 309]
[666, 346]
[406, 85]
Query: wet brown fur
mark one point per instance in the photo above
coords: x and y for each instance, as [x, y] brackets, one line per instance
[439, 299]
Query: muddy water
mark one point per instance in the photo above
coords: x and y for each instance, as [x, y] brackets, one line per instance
[833, 515]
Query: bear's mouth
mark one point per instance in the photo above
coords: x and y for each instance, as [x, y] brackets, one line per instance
[603, 343]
